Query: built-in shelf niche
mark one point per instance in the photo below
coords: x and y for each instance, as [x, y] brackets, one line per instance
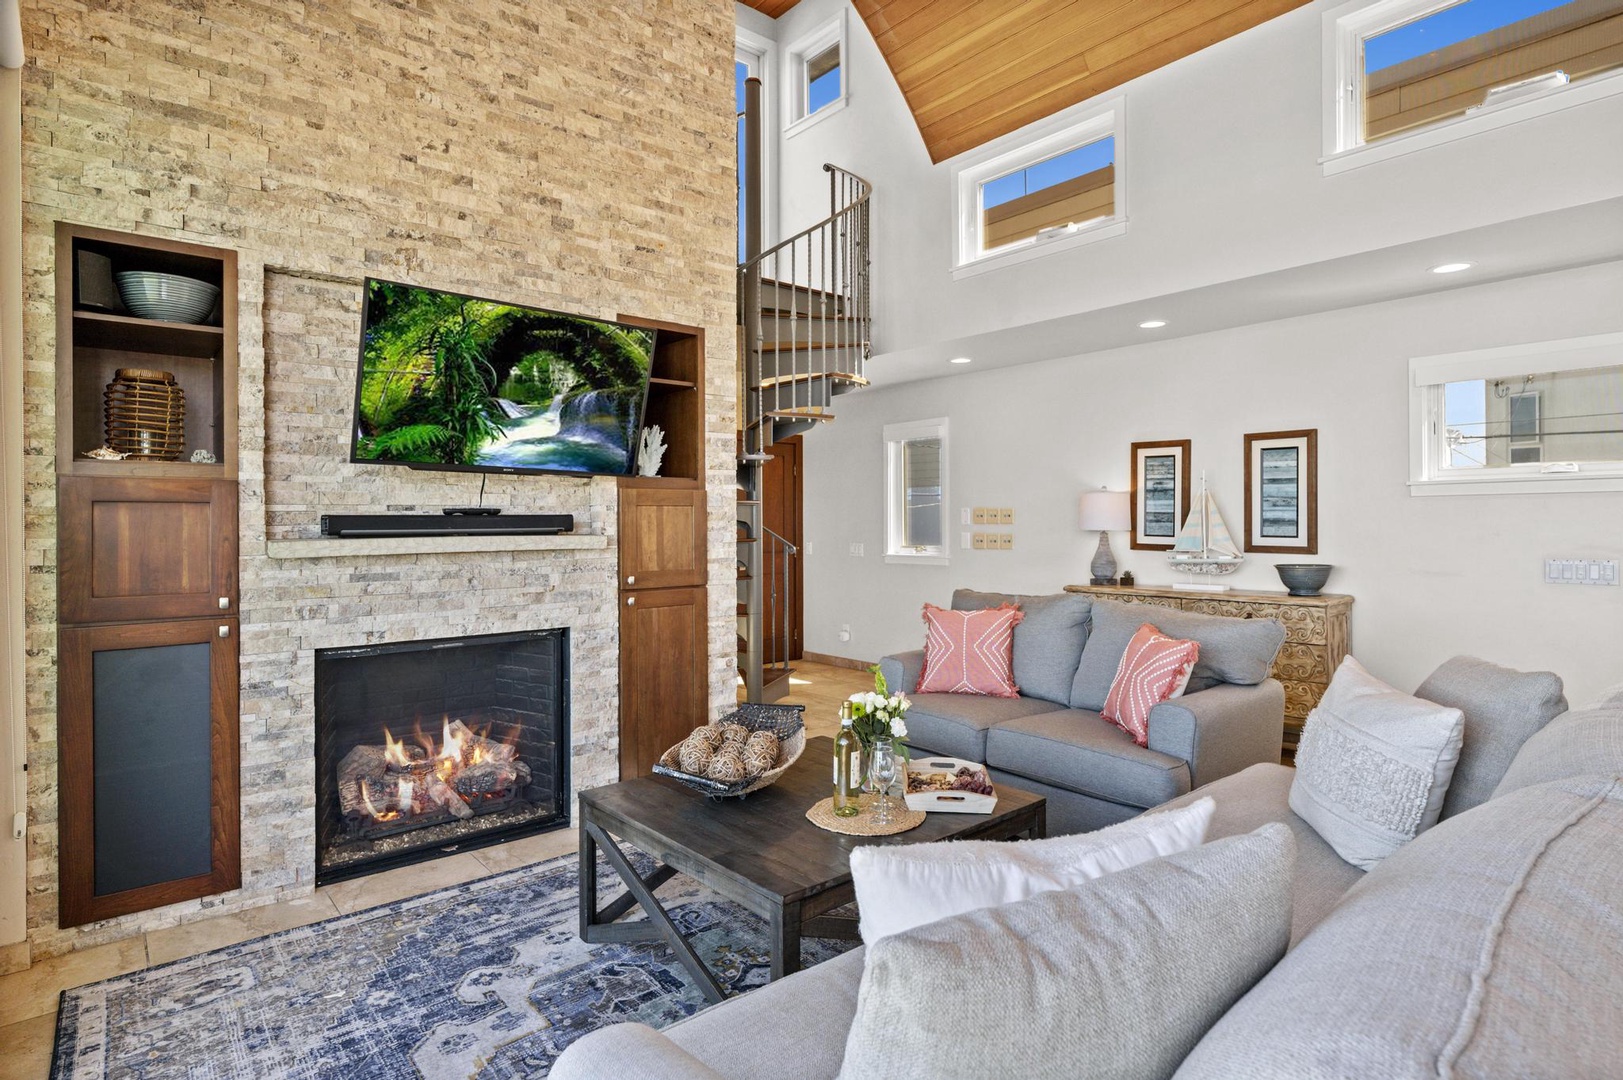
[676, 396]
[96, 336]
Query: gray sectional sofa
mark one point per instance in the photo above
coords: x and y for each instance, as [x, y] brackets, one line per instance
[1051, 739]
[1490, 946]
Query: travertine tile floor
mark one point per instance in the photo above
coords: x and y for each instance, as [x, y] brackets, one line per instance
[28, 998]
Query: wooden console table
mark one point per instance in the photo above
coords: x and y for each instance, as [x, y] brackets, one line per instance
[1316, 635]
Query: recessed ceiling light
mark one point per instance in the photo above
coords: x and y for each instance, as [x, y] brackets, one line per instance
[1152, 324]
[960, 360]
[1451, 268]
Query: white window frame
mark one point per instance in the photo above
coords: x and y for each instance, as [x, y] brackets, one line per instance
[797, 58]
[896, 497]
[761, 53]
[1429, 471]
[1345, 29]
[1038, 144]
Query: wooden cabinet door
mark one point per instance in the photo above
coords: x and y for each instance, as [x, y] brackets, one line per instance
[664, 678]
[662, 535]
[147, 775]
[140, 549]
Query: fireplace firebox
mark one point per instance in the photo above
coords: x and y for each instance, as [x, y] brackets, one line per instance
[428, 747]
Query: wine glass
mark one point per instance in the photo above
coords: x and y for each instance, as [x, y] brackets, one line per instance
[883, 774]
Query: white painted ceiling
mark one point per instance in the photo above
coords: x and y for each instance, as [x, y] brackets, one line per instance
[1559, 240]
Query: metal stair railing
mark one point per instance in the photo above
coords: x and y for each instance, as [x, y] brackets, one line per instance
[777, 559]
[817, 285]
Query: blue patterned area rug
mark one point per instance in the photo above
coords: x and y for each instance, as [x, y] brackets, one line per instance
[488, 979]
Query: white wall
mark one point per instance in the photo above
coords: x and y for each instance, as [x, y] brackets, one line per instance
[1222, 179]
[1432, 576]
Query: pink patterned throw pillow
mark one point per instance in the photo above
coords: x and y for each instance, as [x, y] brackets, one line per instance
[1153, 669]
[970, 652]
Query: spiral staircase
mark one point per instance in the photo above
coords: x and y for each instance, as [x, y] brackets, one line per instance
[804, 317]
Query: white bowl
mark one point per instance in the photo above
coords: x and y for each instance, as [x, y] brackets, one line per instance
[170, 297]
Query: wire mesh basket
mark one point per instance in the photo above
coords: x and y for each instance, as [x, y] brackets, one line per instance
[146, 415]
[787, 722]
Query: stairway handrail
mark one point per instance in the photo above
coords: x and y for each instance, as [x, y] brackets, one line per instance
[792, 549]
[865, 191]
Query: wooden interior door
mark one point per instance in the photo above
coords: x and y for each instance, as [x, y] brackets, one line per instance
[139, 549]
[782, 512]
[147, 729]
[664, 672]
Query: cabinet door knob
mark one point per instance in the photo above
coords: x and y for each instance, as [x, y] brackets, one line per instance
[631, 601]
[225, 631]
[631, 579]
[225, 603]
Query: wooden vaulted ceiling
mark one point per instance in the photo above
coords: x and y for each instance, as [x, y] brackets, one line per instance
[973, 70]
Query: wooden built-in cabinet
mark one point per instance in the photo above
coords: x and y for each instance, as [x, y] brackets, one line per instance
[664, 564]
[147, 598]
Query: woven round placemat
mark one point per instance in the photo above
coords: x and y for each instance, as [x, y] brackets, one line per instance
[864, 824]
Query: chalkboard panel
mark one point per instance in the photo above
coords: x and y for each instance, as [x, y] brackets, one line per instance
[152, 765]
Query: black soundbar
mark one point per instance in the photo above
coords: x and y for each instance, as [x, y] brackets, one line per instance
[374, 525]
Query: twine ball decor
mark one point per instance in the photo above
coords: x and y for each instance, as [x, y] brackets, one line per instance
[735, 735]
[758, 758]
[695, 756]
[708, 734]
[727, 767]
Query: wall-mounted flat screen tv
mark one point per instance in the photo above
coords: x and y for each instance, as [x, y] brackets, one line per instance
[455, 382]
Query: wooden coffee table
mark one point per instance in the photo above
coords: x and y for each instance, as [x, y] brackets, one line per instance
[759, 852]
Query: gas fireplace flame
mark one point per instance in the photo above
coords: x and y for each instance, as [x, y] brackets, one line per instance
[394, 751]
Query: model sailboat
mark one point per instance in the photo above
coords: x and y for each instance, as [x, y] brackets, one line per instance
[1204, 546]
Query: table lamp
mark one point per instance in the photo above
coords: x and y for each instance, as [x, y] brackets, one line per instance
[1106, 512]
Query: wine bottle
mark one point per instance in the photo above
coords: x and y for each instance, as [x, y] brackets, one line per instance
[846, 783]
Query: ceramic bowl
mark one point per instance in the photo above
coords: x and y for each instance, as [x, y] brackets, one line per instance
[1304, 579]
[170, 297]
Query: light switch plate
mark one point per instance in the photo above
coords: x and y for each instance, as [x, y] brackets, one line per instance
[1581, 572]
[978, 515]
[979, 542]
[856, 551]
[1005, 541]
[1005, 515]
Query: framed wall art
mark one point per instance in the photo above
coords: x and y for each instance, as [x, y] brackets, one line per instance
[1282, 492]
[1160, 493]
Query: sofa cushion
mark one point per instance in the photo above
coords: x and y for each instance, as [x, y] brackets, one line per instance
[1239, 651]
[1118, 977]
[1503, 709]
[969, 652]
[956, 724]
[1155, 668]
[1047, 644]
[900, 886]
[1250, 799]
[1492, 946]
[1373, 765]
[792, 1029]
[1582, 742]
[1082, 751]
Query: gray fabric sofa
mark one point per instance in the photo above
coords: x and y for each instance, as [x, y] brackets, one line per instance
[1490, 946]
[1051, 739]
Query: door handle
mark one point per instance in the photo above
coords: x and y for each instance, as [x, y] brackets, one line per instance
[225, 631]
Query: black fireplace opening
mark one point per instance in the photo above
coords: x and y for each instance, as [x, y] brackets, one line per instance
[428, 747]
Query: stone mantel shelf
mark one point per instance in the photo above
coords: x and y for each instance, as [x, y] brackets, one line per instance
[338, 547]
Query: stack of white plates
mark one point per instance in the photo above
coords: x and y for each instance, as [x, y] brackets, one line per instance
[152, 295]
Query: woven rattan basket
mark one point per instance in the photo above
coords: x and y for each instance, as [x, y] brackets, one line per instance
[787, 722]
[146, 415]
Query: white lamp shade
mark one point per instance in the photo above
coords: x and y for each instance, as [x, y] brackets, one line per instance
[1106, 511]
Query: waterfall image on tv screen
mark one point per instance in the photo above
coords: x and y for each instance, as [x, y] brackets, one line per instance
[449, 381]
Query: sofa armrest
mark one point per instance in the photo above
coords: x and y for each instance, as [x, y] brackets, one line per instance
[1221, 730]
[902, 671]
[628, 1052]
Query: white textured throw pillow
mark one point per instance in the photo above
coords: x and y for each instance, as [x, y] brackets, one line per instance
[1373, 765]
[901, 887]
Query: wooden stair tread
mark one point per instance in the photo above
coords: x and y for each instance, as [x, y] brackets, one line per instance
[809, 346]
[749, 502]
[809, 376]
[749, 539]
[794, 414]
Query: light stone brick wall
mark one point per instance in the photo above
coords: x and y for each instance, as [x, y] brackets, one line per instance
[572, 154]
